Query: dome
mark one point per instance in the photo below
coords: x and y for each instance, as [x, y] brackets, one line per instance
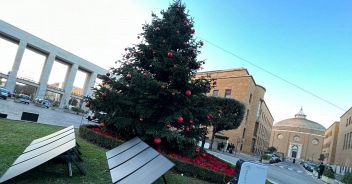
[300, 121]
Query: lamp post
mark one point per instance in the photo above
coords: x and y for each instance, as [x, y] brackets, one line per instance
[238, 140]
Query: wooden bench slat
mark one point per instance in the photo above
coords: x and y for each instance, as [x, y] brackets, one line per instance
[132, 165]
[52, 135]
[34, 162]
[150, 172]
[47, 141]
[44, 149]
[124, 156]
[122, 147]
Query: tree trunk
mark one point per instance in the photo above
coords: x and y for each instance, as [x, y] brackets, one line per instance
[212, 139]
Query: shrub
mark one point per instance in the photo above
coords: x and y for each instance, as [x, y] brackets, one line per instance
[186, 168]
[265, 157]
[328, 172]
[77, 109]
[347, 179]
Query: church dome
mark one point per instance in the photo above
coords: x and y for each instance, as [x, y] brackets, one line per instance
[299, 121]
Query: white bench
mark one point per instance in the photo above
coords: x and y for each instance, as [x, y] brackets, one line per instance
[136, 162]
[61, 143]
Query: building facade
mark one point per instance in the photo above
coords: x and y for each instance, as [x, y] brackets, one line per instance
[330, 143]
[298, 138]
[344, 143]
[253, 135]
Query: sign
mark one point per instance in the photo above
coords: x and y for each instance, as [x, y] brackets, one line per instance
[252, 173]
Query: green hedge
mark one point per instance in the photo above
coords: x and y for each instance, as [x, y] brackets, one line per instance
[329, 173]
[347, 178]
[186, 168]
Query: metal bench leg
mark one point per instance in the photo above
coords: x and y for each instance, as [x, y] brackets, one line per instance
[69, 167]
[81, 170]
[164, 179]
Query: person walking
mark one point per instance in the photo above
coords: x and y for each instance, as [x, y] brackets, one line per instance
[321, 170]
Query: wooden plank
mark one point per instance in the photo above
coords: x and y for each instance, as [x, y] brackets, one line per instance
[149, 172]
[123, 147]
[44, 149]
[123, 170]
[51, 135]
[126, 155]
[47, 141]
[18, 169]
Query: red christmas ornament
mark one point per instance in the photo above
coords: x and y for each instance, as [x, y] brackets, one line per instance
[187, 129]
[101, 125]
[209, 116]
[157, 140]
[197, 150]
[128, 75]
[104, 94]
[141, 119]
[190, 122]
[145, 74]
[93, 117]
[214, 83]
[193, 30]
[183, 127]
[179, 119]
[99, 76]
[162, 86]
[204, 155]
[194, 51]
[125, 49]
[168, 126]
[188, 92]
[173, 93]
[138, 37]
[108, 74]
[157, 29]
[170, 54]
[87, 104]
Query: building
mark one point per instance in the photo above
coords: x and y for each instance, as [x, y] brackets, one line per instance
[25, 42]
[344, 143]
[330, 143]
[253, 135]
[298, 137]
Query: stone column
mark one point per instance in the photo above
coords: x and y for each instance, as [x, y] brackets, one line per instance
[89, 84]
[43, 82]
[70, 78]
[11, 80]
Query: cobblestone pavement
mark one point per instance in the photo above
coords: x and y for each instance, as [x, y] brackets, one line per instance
[46, 116]
[278, 173]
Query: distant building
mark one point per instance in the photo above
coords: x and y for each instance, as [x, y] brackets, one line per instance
[298, 137]
[344, 143]
[330, 143]
[253, 135]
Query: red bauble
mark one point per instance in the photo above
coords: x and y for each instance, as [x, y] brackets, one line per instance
[157, 140]
[188, 92]
[214, 83]
[128, 75]
[209, 116]
[125, 49]
[141, 119]
[168, 126]
[180, 119]
[193, 30]
[157, 29]
[197, 150]
[204, 155]
[87, 104]
[162, 86]
[170, 54]
[145, 74]
[103, 94]
[190, 122]
[101, 125]
[99, 76]
[187, 129]
[183, 127]
[173, 93]
[108, 74]
[93, 117]
[138, 37]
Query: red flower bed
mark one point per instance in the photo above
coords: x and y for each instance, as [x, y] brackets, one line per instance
[203, 160]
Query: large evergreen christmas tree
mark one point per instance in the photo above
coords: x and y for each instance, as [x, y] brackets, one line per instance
[153, 93]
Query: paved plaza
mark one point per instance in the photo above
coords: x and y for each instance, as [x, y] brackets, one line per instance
[46, 116]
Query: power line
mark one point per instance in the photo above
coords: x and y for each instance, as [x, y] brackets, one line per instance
[272, 74]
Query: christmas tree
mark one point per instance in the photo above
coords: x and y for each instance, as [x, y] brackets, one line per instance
[153, 93]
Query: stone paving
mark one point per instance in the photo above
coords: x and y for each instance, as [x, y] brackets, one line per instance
[46, 116]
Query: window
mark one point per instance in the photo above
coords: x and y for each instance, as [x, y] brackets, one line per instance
[250, 98]
[244, 132]
[247, 115]
[350, 146]
[344, 142]
[216, 93]
[228, 93]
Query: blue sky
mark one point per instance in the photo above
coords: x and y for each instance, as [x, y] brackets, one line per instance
[306, 42]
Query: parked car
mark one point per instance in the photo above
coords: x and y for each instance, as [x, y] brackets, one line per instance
[24, 99]
[274, 158]
[4, 93]
[310, 166]
[42, 102]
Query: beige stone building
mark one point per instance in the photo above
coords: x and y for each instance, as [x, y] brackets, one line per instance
[330, 142]
[298, 137]
[343, 157]
[253, 135]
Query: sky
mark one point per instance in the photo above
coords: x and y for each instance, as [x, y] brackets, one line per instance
[307, 43]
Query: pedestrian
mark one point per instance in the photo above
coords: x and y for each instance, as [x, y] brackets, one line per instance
[321, 170]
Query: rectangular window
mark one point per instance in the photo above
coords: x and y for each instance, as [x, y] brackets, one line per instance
[250, 98]
[350, 145]
[228, 93]
[247, 115]
[216, 93]
[244, 132]
[344, 142]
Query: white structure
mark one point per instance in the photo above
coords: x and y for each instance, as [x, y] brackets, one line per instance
[52, 52]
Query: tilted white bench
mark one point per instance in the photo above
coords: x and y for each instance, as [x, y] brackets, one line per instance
[136, 162]
[61, 143]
